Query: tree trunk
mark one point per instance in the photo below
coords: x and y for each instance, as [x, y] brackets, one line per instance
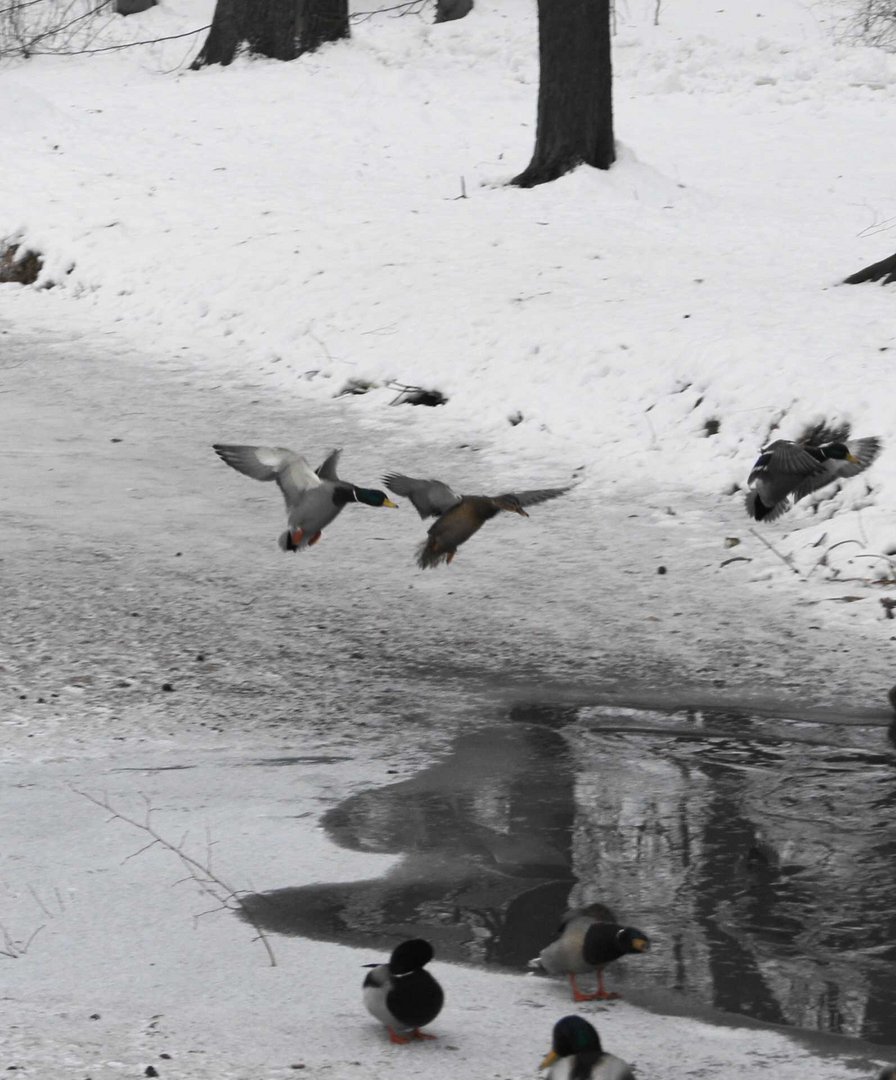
[133, 7]
[449, 10]
[883, 271]
[323, 21]
[265, 27]
[575, 93]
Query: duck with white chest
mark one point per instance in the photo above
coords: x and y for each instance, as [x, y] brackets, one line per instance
[401, 995]
[577, 1054]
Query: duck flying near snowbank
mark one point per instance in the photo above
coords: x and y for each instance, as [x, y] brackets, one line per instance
[458, 517]
[788, 470]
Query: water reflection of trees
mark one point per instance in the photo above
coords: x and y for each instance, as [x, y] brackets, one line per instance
[761, 867]
[486, 839]
[764, 868]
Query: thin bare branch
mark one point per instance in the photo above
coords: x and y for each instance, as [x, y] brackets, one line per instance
[50, 32]
[409, 7]
[139, 851]
[784, 558]
[14, 949]
[209, 883]
[39, 902]
[19, 7]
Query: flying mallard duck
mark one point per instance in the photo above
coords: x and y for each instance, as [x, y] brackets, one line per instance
[577, 1054]
[457, 516]
[589, 938]
[313, 498]
[401, 994]
[785, 469]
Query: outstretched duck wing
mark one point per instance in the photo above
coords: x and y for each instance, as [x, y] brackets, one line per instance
[863, 451]
[327, 468]
[784, 457]
[431, 498]
[293, 474]
[538, 495]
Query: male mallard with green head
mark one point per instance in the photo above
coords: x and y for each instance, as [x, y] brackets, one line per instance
[401, 994]
[784, 469]
[458, 517]
[577, 1054]
[313, 498]
[589, 938]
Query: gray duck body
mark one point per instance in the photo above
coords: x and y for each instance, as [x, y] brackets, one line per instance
[314, 498]
[588, 939]
[788, 470]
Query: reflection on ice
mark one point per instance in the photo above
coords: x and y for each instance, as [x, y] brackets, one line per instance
[757, 853]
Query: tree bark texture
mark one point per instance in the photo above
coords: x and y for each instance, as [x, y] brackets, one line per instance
[575, 92]
[449, 10]
[279, 29]
[323, 21]
[883, 271]
[265, 27]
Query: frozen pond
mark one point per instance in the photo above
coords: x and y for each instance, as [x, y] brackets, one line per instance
[161, 643]
[757, 852]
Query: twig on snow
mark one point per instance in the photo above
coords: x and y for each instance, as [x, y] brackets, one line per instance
[14, 949]
[199, 872]
[784, 558]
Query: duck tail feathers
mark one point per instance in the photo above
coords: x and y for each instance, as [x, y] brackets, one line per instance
[429, 555]
[286, 542]
[757, 509]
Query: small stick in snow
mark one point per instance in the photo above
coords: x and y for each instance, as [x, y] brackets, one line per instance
[784, 558]
[201, 873]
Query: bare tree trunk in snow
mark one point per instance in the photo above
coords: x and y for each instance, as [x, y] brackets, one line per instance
[323, 21]
[575, 93]
[279, 29]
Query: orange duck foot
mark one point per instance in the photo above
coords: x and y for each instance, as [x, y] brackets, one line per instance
[600, 994]
[298, 535]
[402, 1040]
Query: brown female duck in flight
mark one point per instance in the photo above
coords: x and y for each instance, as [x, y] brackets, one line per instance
[457, 516]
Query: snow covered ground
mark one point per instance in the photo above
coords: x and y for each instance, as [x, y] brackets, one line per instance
[230, 249]
[122, 976]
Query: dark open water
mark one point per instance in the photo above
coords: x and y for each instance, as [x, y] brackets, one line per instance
[759, 854]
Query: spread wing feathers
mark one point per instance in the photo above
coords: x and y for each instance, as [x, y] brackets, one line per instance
[430, 498]
[327, 469]
[529, 498]
[863, 450]
[785, 457]
[293, 474]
